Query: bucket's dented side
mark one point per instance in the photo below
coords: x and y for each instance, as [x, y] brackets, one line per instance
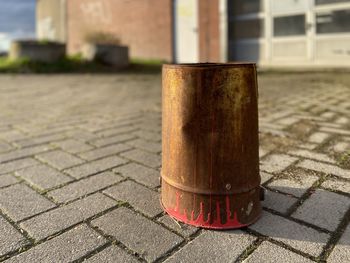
[210, 150]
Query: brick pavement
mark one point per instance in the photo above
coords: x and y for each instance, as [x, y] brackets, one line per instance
[80, 159]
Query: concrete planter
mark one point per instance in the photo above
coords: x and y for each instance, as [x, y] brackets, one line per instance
[113, 55]
[36, 51]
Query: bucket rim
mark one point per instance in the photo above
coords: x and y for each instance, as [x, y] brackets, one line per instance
[208, 65]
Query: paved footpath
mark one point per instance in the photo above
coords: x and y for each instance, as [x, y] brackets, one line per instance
[80, 160]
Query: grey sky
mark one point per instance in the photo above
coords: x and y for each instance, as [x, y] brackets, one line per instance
[17, 16]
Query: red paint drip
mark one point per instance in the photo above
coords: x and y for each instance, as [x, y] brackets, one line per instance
[199, 221]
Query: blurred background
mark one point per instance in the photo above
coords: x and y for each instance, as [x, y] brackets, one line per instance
[273, 33]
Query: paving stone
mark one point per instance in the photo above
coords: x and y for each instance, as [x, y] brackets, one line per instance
[21, 153]
[116, 131]
[296, 185]
[308, 146]
[104, 151]
[312, 155]
[139, 173]
[94, 167]
[318, 137]
[298, 236]
[149, 159]
[337, 185]
[183, 229]
[136, 232]
[19, 201]
[84, 187]
[149, 136]
[73, 146]
[12, 135]
[262, 152]
[324, 168]
[341, 147]
[10, 238]
[265, 177]
[335, 130]
[113, 140]
[208, 247]
[43, 176]
[278, 202]
[4, 147]
[140, 197]
[269, 252]
[59, 159]
[342, 120]
[7, 179]
[276, 163]
[16, 165]
[67, 247]
[40, 140]
[112, 254]
[341, 252]
[61, 218]
[148, 146]
[324, 209]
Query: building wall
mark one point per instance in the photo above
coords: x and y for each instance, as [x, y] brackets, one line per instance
[51, 20]
[145, 26]
[209, 30]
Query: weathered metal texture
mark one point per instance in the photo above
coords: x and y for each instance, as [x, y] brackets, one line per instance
[210, 148]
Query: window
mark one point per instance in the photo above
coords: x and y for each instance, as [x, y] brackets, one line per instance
[289, 25]
[333, 22]
[239, 7]
[242, 29]
[324, 2]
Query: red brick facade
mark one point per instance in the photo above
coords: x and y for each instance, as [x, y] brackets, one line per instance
[144, 25]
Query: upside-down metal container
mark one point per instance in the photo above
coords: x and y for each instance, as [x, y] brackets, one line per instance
[210, 146]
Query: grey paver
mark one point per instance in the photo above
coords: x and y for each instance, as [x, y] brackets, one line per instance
[149, 135]
[84, 187]
[298, 236]
[337, 185]
[16, 165]
[65, 248]
[40, 140]
[265, 177]
[112, 140]
[4, 147]
[275, 163]
[19, 201]
[341, 252]
[112, 254]
[269, 252]
[179, 227]
[296, 185]
[278, 202]
[59, 159]
[116, 130]
[73, 146]
[94, 167]
[138, 233]
[104, 151]
[318, 137]
[7, 179]
[10, 238]
[43, 176]
[208, 247]
[139, 173]
[146, 158]
[312, 155]
[140, 197]
[21, 153]
[341, 147]
[324, 209]
[149, 146]
[63, 217]
[325, 168]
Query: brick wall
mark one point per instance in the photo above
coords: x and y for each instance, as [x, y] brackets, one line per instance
[209, 31]
[144, 25]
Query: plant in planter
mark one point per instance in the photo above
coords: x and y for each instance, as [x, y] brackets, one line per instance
[37, 50]
[105, 48]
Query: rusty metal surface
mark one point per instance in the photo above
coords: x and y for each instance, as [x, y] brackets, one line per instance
[210, 149]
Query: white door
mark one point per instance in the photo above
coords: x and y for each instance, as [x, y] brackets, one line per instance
[186, 31]
[292, 32]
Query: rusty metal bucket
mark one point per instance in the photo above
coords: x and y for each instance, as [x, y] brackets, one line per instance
[210, 149]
